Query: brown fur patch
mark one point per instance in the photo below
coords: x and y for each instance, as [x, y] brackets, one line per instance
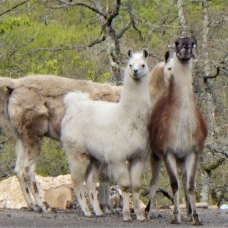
[27, 169]
[157, 84]
[162, 117]
[35, 187]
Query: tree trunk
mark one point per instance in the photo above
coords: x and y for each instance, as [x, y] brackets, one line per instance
[182, 20]
[210, 111]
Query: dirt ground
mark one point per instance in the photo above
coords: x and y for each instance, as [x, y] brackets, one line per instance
[74, 218]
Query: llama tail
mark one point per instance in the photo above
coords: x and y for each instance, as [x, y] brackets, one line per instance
[74, 97]
[7, 85]
[10, 83]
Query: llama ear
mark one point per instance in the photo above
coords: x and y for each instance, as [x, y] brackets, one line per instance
[171, 46]
[167, 56]
[145, 53]
[129, 53]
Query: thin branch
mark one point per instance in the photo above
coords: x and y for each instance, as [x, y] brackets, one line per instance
[65, 48]
[7, 11]
[134, 26]
[215, 75]
[79, 4]
[165, 193]
[214, 165]
[125, 28]
[216, 149]
[115, 11]
[16, 49]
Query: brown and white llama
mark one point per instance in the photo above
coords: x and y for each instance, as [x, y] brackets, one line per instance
[178, 132]
[31, 108]
[96, 132]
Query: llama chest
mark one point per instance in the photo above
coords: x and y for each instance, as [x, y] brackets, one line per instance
[181, 129]
[124, 138]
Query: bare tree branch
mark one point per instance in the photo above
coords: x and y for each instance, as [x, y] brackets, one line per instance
[124, 29]
[7, 11]
[64, 48]
[65, 3]
[22, 45]
[165, 193]
[182, 20]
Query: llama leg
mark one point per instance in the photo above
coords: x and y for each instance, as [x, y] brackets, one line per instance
[92, 177]
[104, 190]
[79, 164]
[32, 154]
[191, 168]
[20, 155]
[171, 166]
[187, 199]
[155, 162]
[136, 169]
[122, 177]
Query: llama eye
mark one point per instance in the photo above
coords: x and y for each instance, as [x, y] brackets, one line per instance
[130, 65]
[143, 65]
[169, 68]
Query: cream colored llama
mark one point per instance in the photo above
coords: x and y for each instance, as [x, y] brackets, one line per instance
[95, 132]
[159, 81]
[32, 108]
[178, 132]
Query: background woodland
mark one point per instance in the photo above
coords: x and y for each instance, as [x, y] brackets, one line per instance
[89, 39]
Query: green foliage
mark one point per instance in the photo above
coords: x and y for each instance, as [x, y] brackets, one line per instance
[11, 23]
[7, 159]
[53, 161]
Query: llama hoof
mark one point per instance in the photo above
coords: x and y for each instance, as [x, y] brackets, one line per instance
[197, 223]
[103, 208]
[143, 219]
[101, 215]
[47, 210]
[37, 209]
[109, 210]
[127, 220]
[148, 216]
[189, 219]
[89, 215]
[173, 221]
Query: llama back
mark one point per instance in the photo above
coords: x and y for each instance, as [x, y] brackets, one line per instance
[51, 85]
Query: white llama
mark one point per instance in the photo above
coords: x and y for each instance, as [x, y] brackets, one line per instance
[97, 132]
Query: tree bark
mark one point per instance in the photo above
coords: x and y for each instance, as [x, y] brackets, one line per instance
[182, 20]
[112, 37]
[210, 110]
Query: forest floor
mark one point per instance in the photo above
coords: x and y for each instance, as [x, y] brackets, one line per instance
[74, 218]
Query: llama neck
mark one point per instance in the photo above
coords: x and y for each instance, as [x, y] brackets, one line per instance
[135, 92]
[180, 88]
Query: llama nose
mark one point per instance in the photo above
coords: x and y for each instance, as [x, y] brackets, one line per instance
[186, 45]
[135, 71]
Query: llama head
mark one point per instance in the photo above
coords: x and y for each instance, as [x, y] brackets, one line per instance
[168, 66]
[184, 48]
[137, 67]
